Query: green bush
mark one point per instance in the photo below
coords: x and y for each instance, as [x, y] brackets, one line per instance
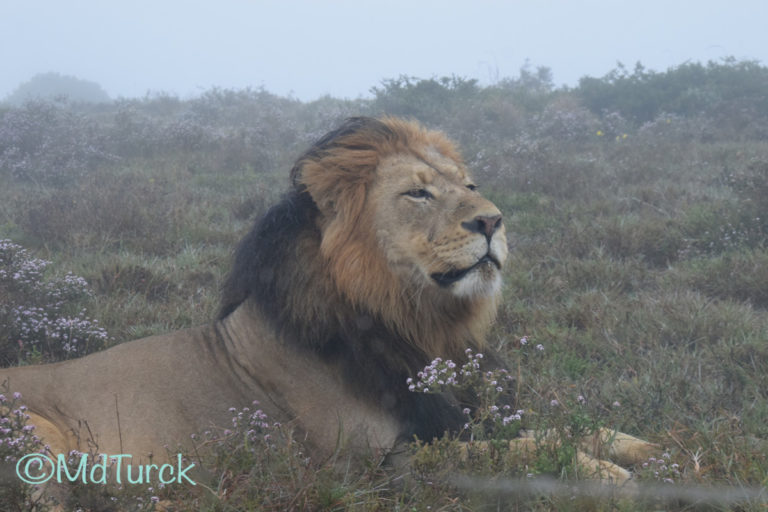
[39, 314]
[732, 91]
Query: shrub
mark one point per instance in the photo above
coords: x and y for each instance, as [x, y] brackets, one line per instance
[732, 91]
[561, 421]
[46, 143]
[17, 439]
[565, 119]
[425, 100]
[39, 315]
[53, 85]
[488, 386]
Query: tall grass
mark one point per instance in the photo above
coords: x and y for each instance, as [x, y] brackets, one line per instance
[638, 262]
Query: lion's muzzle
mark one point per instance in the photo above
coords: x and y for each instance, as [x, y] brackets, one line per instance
[448, 278]
[484, 224]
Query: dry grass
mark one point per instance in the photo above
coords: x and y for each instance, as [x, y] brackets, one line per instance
[640, 264]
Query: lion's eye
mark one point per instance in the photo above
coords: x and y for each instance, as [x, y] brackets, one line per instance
[419, 193]
[472, 187]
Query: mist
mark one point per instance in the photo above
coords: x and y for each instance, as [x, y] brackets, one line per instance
[307, 49]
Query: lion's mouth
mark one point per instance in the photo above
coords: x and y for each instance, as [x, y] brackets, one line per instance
[448, 278]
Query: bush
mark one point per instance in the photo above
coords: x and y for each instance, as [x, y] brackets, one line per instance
[564, 119]
[39, 315]
[426, 100]
[46, 143]
[48, 86]
[733, 92]
[17, 439]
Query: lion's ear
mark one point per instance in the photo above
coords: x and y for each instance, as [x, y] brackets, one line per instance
[336, 191]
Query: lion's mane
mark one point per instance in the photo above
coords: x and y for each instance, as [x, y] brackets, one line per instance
[331, 292]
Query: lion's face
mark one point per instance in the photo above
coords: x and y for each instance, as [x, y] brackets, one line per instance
[403, 232]
[436, 230]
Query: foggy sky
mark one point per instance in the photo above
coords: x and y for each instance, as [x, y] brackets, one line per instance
[308, 48]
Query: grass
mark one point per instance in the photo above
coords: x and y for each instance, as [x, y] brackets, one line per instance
[639, 264]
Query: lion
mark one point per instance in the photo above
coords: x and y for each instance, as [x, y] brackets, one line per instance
[381, 257]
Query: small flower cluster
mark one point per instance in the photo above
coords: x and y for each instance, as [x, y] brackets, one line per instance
[18, 269]
[16, 435]
[524, 342]
[67, 288]
[440, 375]
[67, 333]
[249, 427]
[436, 376]
[445, 375]
[661, 469]
[253, 424]
[36, 312]
[503, 415]
[17, 439]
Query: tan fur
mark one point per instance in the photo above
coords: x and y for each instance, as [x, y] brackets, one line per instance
[355, 192]
[375, 249]
[143, 396]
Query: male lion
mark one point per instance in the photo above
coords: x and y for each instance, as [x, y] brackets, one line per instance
[381, 257]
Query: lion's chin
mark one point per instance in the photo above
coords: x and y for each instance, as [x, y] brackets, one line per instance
[478, 284]
[481, 279]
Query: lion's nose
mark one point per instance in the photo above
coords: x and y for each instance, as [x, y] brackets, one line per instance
[486, 225]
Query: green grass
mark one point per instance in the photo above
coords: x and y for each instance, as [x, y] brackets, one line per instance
[638, 264]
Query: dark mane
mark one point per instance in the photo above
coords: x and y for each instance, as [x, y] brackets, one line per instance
[260, 253]
[376, 361]
[280, 225]
[279, 269]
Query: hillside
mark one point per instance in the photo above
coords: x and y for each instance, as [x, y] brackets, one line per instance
[637, 208]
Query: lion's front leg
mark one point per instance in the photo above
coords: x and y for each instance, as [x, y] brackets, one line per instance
[623, 449]
[604, 455]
